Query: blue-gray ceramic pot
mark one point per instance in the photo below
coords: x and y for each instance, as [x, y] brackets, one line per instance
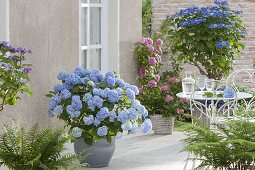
[99, 154]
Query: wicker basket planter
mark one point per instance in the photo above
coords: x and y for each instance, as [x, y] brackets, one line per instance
[162, 126]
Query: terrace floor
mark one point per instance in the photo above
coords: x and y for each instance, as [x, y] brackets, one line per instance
[148, 152]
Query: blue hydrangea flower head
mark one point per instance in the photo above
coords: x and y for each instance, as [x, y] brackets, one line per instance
[102, 114]
[58, 110]
[76, 103]
[65, 94]
[229, 92]
[134, 88]
[89, 120]
[76, 132]
[112, 116]
[54, 101]
[91, 105]
[97, 101]
[120, 91]
[123, 116]
[96, 122]
[73, 79]
[62, 75]
[110, 74]
[87, 97]
[130, 94]
[146, 126]
[132, 114]
[102, 131]
[57, 88]
[126, 126]
[120, 82]
[110, 81]
[113, 96]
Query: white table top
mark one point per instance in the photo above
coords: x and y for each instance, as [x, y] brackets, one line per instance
[198, 96]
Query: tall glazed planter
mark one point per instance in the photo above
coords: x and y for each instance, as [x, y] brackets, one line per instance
[97, 155]
[162, 125]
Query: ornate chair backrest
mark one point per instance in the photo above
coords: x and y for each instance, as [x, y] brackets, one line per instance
[208, 109]
[243, 80]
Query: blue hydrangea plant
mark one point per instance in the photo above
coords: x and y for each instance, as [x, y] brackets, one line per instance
[207, 37]
[96, 105]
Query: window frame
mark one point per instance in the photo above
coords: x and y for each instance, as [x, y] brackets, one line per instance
[4, 6]
[104, 34]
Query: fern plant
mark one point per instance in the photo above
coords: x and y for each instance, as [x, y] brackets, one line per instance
[230, 148]
[34, 149]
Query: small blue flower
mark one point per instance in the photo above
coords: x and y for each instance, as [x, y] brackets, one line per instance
[102, 114]
[97, 101]
[134, 88]
[96, 122]
[126, 126]
[54, 101]
[73, 79]
[62, 75]
[123, 116]
[110, 81]
[120, 91]
[110, 74]
[219, 45]
[96, 92]
[57, 88]
[120, 82]
[91, 105]
[87, 97]
[58, 110]
[103, 93]
[65, 94]
[146, 126]
[130, 94]
[77, 132]
[132, 114]
[113, 96]
[76, 103]
[229, 92]
[142, 110]
[102, 131]
[88, 120]
[134, 128]
[112, 116]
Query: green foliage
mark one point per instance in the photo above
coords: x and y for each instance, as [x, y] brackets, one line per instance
[232, 147]
[13, 74]
[208, 38]
[35, 149]
[146, 17]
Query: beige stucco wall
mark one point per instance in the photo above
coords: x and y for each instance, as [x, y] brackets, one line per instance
[50, 29]
[4, 4]
[129, 33]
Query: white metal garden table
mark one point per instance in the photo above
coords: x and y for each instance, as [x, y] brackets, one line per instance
[208, 106]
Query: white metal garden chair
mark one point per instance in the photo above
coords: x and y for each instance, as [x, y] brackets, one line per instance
[244, 80]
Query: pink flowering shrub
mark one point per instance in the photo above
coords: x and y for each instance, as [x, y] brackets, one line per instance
[157, 92]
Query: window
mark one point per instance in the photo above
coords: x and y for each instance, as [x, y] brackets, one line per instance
[4, 20]
[93, 34]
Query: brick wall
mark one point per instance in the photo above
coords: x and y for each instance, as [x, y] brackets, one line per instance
[163, 8]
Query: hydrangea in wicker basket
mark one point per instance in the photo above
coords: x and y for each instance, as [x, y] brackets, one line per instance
[97, 106]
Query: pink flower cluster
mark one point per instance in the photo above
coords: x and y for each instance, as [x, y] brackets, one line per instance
[164, 88]
[152, 84]
[169, 99]
[142, 72]
[174, 80]
[180, 112]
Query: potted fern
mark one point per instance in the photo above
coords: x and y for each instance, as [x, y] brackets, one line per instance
[230, 148]
[35, 149]
[97, 107]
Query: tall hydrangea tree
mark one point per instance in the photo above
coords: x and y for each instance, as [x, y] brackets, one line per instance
[208, 37]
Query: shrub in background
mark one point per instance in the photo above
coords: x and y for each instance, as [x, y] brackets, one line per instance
[208, 37]
[14, 74]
